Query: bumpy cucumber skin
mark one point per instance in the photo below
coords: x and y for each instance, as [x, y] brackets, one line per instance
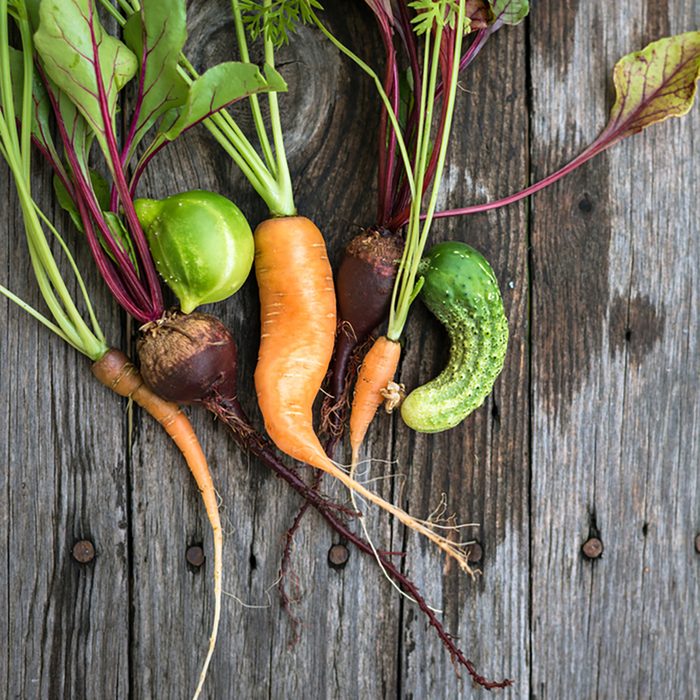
[461, 289]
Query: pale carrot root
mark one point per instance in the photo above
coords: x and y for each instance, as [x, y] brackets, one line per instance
[377, 370]
[117, 373]
[449, 548]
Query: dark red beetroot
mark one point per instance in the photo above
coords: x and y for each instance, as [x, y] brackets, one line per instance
[188, 358]
[193, 358]
[364, 283]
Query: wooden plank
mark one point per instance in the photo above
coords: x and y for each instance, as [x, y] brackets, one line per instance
[482, 466]
[615, 371]
[65, 625]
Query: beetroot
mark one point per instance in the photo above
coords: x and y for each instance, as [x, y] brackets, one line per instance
[364, 284]
[188, 358]
[366, 278]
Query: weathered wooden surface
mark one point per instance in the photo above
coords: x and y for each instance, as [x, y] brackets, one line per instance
[593, 426]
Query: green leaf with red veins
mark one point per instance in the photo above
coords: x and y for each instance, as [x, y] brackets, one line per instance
[77, 128]
[219, 87]
[653, 84]
[85, 62]
[509, 11]
[160, 30]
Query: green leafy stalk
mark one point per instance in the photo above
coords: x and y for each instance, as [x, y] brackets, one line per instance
[275, 21]
[446, 17]
[255, 105]
[284, 179]
[68, 323]
[269, 175]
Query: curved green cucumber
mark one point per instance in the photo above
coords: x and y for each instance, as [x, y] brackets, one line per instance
[461, 289]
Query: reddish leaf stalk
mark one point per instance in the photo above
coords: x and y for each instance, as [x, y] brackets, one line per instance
[126, 148]
[141, 167]
[128, 143]
[125, 279]
[402, 202]
[104, 265]
[387, 139]
[154, 291]
[593, 150]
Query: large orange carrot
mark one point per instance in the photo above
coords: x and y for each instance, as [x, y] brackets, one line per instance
[297, 301]
[377, 370]
[117, 373]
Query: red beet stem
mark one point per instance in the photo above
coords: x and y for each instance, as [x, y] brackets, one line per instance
[229, 411]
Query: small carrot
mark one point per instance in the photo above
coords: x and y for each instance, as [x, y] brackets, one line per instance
[377, 370]
[441, 38]
[117, 373]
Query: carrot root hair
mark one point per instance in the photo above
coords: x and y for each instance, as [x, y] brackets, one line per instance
[231, 413]
[117, 373]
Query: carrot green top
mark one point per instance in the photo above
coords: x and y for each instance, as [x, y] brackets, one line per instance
[267, 170]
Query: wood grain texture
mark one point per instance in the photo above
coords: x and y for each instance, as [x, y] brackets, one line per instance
[65, 626]
[593, 426]
[615, 373]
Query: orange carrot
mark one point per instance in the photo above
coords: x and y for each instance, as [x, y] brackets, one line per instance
[297, 307]
[377, 370]
[117, 373]
[297, 300]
